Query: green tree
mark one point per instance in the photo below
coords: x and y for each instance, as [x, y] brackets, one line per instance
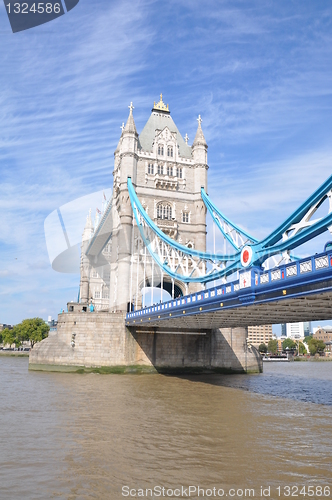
[272, 346]
[307, 339]
[289, 343]
[9, 337]
[302, 349]
[316, 346]
[262, 348]
[34, 329]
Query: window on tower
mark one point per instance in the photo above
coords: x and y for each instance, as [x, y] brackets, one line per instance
[179, 172]
[160, 169]
[185, 216]
[150, 168]
[169, 170]
[164, 211]
[170, 151]
[161, 150]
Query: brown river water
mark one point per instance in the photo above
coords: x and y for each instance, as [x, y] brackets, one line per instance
[72, 436]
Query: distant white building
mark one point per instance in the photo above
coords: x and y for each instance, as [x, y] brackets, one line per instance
[296, 330]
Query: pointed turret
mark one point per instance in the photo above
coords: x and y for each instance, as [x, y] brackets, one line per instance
[97, 217]
[120, 140]
[199, 155]
[199, 147]
[85, 265]
[199, 137]
[130, 125]
[88, 228]
[126, 166]
[128, 149]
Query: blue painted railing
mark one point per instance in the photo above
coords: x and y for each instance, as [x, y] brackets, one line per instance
[252, 283]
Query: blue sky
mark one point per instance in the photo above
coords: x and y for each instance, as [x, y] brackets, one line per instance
[259, 73]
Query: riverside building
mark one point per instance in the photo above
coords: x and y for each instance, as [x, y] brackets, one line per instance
[261, 334]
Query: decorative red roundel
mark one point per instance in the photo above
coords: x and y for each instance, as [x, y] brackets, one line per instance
[245, 256]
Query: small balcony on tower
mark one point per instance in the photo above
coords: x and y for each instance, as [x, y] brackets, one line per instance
[164, 181]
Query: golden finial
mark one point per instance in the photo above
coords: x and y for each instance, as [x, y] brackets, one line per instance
[160, 106]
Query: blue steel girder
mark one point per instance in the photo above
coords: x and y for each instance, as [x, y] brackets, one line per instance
[231, 232]
[178, 261]
[236, 236]
[296, 230]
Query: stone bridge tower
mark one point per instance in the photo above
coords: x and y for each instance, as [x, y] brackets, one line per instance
[167, 174]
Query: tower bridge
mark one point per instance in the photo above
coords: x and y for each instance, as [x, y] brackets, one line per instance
[290, 293]
[152, 235]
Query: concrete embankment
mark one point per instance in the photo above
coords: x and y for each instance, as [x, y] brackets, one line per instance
[17, 354]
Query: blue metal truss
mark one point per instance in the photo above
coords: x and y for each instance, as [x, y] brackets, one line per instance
[178, 261]
[189, 265]
[232, 233]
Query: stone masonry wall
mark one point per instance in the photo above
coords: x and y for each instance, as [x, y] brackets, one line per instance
[102, 340]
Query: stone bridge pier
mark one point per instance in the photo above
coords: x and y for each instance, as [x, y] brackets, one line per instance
[100, 341]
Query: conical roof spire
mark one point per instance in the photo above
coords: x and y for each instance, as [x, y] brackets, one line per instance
[120, 140]
[199, 137]
[130, 125]
[88, 229]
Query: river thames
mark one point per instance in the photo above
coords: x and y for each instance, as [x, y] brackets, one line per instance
[90, 436]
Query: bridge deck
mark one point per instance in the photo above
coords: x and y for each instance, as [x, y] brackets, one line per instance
[300, 291]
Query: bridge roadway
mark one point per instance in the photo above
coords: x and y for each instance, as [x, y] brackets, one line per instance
[298, 291]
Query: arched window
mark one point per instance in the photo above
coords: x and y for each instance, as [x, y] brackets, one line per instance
[160, 169]
[170, 151]
[169, 170]
[164, 211]
[179, 172]
[161, 150]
